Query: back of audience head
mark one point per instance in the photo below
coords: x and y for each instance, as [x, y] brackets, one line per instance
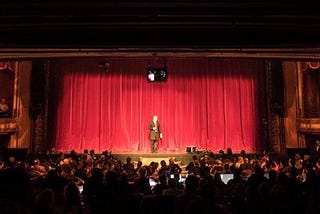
[191, 183]
[143, 172]
[139, 163]
[128, 159]
[194, 157]
[96, 174]
[229, 151]
[44, 201]
[163, 179]
[12, 162]
[72, 194]
[110, 177]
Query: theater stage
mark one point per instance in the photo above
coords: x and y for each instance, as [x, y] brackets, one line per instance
[147, 157]
[182, 157]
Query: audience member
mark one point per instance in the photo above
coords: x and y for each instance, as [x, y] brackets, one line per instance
[189, 194]
[163, 168]
[174, 168]
[44, 203]
[173, 188]
[4, 108]
[72, 199]
[161, 185]
[142, 184]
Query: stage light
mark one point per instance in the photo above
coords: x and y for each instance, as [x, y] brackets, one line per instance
[104, 64]
[163, 72]
[151, 74]
[157, 74]
[151, 77]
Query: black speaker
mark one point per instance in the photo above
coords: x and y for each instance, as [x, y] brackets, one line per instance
[37, 85]
[277, 87]
[191, 149]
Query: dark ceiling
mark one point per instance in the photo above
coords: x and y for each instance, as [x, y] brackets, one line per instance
[201, 24]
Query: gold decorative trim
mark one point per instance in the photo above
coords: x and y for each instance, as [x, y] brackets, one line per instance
[309, 125]
[8, 125]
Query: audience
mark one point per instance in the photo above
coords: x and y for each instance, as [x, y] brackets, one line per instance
[4, 108]
[262, 184]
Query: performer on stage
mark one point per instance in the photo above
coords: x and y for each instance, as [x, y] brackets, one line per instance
[155, 133]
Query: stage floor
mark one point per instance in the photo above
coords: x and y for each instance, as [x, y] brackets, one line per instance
[146, 157]
[183, 158]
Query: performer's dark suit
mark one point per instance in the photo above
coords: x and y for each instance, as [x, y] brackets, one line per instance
[154, 135]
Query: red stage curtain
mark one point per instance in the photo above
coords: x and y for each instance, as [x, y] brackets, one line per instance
[207, 103]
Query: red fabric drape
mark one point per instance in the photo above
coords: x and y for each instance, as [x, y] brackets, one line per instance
[7, 65]
[207, 103]
[311, 65]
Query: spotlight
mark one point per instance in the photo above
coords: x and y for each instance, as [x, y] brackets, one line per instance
[151, 74]
[104, 64]
[163, 72]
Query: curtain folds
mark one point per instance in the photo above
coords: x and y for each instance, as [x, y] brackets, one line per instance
[207, 103]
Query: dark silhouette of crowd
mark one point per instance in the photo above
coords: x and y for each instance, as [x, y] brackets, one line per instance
[100, 183]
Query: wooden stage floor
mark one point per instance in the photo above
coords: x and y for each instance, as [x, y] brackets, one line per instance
[146, 157]
[183, 157]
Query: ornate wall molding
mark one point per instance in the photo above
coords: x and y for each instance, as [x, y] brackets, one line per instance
[275, 138]
[308, 125]
[39, 105]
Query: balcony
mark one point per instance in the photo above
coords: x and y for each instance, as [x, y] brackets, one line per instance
[8, 126]
[308, 125]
